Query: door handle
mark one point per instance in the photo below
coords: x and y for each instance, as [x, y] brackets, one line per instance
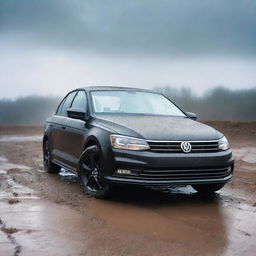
[63, 127]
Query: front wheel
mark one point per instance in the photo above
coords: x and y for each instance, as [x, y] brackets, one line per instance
[207, 188]
[89, 173]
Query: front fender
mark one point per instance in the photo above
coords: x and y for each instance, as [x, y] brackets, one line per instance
[101, 137]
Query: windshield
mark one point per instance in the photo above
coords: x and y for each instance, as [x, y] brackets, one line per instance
[133, 103]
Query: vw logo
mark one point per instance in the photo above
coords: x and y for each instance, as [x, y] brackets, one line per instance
[185, 146]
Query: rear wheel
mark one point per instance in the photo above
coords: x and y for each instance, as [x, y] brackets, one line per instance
[49, 166]
[89, 173]
[207, 188]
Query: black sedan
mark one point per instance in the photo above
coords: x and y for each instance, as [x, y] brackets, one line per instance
[112, 135]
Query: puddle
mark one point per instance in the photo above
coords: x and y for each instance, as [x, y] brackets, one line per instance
[7, 138]
[3, 159]
[176, 222]
[5, 165]
[64, 174]
[181, 190]
[246, 154]
[14, 190]
[67, 175]
[19, 189]
[45, 228]
[203, 225]
[41, 170]
[9, 186]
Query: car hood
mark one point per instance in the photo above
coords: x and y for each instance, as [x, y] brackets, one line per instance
[158, 128]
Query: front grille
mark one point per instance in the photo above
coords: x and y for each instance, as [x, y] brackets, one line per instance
[175, 146]
[181, 174]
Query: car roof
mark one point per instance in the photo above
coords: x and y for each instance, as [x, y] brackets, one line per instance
[112, 88]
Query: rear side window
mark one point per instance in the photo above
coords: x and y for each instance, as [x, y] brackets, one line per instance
[66, 104]
[80, 101]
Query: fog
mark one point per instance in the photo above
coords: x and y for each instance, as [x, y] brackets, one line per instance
[49, 47]
[217, 104]
[31, 110]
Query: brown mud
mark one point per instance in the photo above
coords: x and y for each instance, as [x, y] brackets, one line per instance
[45, 214]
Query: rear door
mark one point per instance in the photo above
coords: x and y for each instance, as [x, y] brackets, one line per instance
[56, 131]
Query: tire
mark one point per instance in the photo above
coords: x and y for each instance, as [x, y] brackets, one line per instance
[49, 166]
[89, 173]
[207, 188]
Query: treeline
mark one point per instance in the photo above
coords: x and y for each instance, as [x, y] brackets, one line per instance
[217, 104]
[31, 110]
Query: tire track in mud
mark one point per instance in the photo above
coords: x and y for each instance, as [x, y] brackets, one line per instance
[9, 234]
[9, 188]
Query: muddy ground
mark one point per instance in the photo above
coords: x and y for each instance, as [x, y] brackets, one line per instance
[44, 214]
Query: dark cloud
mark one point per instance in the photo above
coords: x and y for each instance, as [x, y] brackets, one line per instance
[132, 27]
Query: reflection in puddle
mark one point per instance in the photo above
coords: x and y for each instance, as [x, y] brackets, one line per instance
[7, 138]
[183, 190]
[67, 175]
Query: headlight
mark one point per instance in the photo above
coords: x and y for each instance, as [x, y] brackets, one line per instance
[223, 143]
[124, 142]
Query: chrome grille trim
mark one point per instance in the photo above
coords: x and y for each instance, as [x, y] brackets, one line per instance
[179, 141]
[206, 146]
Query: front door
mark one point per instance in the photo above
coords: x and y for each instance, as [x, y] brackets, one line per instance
[76, 130]
[60, 140]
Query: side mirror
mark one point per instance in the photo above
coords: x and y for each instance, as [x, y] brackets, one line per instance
[191, 115]
[77, 113]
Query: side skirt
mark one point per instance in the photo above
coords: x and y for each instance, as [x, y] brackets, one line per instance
[65, 166]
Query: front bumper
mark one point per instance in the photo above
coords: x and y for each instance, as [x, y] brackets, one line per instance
[150, 168]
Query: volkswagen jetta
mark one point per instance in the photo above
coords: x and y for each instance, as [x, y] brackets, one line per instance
[110, 135]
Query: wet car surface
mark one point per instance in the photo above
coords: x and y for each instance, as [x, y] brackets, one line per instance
[38, 208]
[96, 133]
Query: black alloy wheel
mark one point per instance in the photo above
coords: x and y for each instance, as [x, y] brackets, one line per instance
[89, 173]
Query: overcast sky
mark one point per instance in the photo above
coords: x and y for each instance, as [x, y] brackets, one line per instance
[51, 46]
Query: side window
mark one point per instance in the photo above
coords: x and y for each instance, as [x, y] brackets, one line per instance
[80, 101]
[67, 104]
[60, 107]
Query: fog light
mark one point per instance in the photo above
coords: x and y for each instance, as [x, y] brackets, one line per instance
[123, 171]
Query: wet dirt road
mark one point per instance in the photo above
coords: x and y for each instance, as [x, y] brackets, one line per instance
[43, 214]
